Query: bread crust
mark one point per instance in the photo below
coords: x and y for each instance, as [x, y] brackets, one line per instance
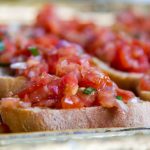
[36, 119]
[11, 85]
[145, 95]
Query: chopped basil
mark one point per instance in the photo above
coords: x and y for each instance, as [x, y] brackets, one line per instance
[89, 90]
[33, 50]
[2, 46]
[119, 97]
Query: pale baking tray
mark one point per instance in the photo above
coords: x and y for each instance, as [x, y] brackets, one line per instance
[60, 136]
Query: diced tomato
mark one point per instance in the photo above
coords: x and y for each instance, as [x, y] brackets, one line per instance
[130, 58]
[46, 41]
[35, 84]
[43, 92]
[106, 99]
[95, 78]
[69, 83]
[87, 100]
[71, 102]
[63, 67]
[35, 67]
[125, 95]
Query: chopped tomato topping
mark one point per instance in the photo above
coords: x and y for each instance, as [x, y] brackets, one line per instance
[130, 58]
[48, 19]
[95, 78]
[87, 99]
[135, 24]
[120, 52]
[61, 74]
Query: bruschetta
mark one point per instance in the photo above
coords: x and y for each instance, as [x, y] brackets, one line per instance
[64, 81]
[57, 85]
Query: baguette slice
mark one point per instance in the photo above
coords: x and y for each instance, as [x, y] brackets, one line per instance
[11, 85]
[38, 119]
[128, 81]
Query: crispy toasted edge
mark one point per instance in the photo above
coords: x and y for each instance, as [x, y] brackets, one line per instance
[11, 85]
[37, 119]
[144, 95]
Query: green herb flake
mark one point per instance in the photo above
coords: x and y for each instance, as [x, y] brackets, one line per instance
[33, 50]
[89, 90]
[119, 97]
[2, 46]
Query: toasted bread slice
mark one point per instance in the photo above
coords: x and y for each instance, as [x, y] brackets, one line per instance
[128, 81]
[38, 119]
[11, 85]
